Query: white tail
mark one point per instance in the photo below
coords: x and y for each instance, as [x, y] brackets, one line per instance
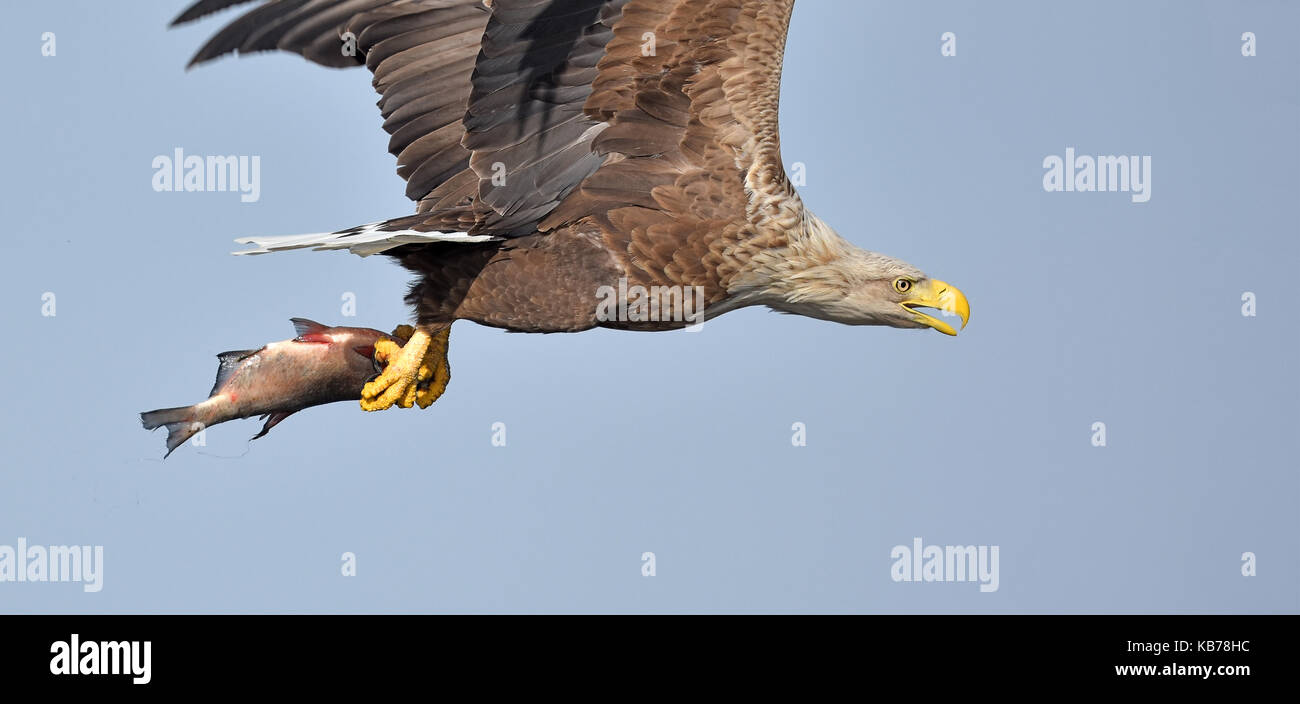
[364, 240]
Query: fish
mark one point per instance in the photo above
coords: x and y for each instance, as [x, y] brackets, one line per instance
[320, 365]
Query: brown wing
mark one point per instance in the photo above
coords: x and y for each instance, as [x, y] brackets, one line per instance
[421, 53]
[484, 108]
[525, 123]
[693, 183]
[655, 118]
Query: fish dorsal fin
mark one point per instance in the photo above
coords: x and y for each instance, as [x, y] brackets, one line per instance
[304, 327]
[228, 362]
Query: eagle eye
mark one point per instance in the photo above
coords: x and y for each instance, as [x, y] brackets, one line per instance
[903, 285]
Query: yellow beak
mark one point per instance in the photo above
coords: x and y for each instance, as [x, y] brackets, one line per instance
[941, 295]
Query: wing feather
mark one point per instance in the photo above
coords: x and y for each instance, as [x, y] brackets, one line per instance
[654, 120]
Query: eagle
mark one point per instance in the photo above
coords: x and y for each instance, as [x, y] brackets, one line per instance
[560, 151]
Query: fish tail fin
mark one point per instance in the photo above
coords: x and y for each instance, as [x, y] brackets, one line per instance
[182, 423]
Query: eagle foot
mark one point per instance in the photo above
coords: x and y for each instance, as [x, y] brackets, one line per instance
[416, 372]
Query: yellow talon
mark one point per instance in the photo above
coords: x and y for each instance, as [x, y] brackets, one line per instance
[432, 385]
[416, 372]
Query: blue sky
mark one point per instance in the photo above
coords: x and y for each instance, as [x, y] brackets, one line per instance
[1086, 307]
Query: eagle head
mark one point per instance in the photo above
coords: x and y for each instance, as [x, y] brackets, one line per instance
[824, 276]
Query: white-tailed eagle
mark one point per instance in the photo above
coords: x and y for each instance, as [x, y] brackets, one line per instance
[560, 150]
